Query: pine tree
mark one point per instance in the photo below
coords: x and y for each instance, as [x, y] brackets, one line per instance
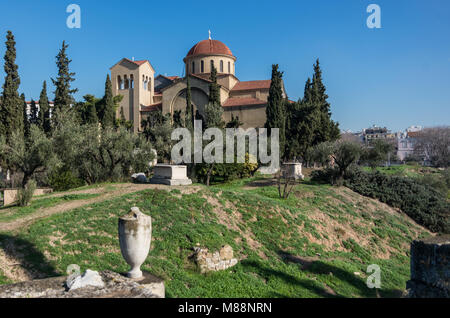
[11, 113]
[63, 92]
[189, 116]
[44, 110]
[26, 121]
[87, 110]
[275, 110]
[106, 111]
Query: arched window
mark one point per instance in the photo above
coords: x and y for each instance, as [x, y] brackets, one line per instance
[229, 67]
[221, 66]
[212, 65]
[149, 84]
[202, 69]
[131, 81]
[143, 82]
[127, 83]
[193, 67]
[119, 82]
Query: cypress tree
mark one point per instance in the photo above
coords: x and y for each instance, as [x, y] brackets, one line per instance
[63, 92]
[33, 117]
[304, 119]
[214, 110]
[11, 113]
[327, 129]
[189, 116]
[214, 89]
[275, 110]
[106, 112]
[44, 110]
[26, 121]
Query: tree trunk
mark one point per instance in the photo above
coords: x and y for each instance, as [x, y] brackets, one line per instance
[26, 178]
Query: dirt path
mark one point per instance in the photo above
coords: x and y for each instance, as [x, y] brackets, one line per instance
[119, 189]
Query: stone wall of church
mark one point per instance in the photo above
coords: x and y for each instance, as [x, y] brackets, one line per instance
[207, 64]
[174, 97]
[252, 116]
[135, 95]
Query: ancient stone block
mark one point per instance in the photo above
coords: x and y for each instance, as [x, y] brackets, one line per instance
[226, 252]
[430, 268]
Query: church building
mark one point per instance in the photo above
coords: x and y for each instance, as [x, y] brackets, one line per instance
[144, 92]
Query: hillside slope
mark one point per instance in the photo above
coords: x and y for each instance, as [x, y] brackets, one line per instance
[318, 243]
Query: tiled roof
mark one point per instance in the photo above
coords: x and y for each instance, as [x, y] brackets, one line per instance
[139, 63]
[413, 134]
[252, 85]
[242, 101]
[207, 47]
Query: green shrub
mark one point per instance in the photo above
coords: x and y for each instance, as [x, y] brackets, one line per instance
[446, 176]
[419, 201]
[436, 181]
[25, 194]
[63, 180]
[227, 171]
[331, 175]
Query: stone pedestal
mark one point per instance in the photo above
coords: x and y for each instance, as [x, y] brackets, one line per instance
[430, 268]
[293, 170]
[115, 286]
[170, 175]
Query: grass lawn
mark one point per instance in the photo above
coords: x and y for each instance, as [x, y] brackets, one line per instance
[412, 171]
[318, 243]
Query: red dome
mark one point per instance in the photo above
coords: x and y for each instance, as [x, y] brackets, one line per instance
[209, 47]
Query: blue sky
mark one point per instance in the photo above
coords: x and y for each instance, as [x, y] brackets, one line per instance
[395, 76]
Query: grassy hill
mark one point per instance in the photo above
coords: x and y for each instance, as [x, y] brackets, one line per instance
[318, 243]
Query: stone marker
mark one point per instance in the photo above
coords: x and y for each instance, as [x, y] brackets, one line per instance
[221, 260]
[135, 236]
[89, 278]
[115, 286]
[430, 268]
[293, 170]
[170, 175]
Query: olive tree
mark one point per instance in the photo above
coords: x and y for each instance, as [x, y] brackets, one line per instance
[29, 156]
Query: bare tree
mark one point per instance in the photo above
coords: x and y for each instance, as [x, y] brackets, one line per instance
[433, 144]
[285, 182]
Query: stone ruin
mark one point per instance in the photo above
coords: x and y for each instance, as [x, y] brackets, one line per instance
[135, 239]
[114, 286]
[430, 268]
[216, 261]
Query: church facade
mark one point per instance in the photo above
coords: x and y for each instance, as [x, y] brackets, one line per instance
[143, 92]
